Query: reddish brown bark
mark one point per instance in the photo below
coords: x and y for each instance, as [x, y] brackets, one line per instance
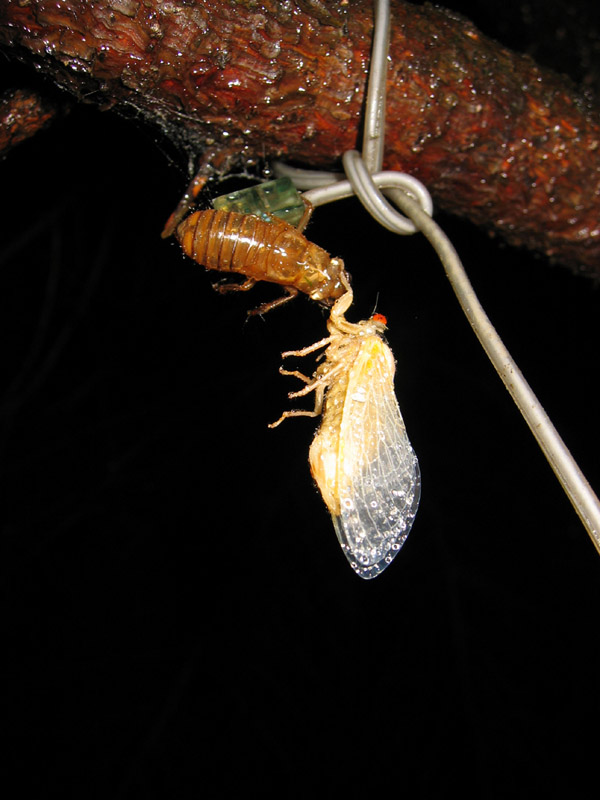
[22, 114]
[494, 137]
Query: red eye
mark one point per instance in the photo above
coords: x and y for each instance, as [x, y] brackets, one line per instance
[380, 318]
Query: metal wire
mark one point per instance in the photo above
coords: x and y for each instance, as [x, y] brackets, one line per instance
[390, 181]
[366, 181]
[306, 178]
[374, 132]
[571, 478]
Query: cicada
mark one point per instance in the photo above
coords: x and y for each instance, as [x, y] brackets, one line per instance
[361, 458]
[262, 250]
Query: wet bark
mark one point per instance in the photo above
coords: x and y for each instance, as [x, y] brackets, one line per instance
[24, 112]
[497, 139]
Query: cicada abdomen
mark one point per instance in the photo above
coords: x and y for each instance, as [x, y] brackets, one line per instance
[273, 251]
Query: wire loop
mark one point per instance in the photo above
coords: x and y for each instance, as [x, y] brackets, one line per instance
[398, 183]
[373, 200]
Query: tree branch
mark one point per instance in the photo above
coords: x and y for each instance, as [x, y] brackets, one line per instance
[495, 138]
[22, 114]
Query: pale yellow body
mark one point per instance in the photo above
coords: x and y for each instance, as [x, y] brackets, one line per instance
[360, 458]
[348, 434]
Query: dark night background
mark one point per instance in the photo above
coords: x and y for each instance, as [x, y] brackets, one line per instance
[180, 620]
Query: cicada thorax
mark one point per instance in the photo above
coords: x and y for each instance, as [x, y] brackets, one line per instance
[265, 251]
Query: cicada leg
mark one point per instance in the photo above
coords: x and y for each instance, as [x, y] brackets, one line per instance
[304, 220]
[295, 374]
[194, 188]
[309, 349]
[214, 161]
[223, 288]
[319, 393]
[279, 301]
[296, 413]
[319, 381]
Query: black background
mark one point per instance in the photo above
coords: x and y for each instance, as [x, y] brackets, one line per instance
[181, 620]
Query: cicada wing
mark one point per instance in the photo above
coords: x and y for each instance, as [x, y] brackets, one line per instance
[378, 473]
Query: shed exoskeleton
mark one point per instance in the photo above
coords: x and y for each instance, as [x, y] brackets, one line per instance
[273, 251]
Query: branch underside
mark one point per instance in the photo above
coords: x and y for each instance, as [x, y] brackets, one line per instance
[495, 138]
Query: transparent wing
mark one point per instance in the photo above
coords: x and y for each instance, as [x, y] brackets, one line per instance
[378, 473]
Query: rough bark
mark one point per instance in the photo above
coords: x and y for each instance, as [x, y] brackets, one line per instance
[22, 114]
[495, 138]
